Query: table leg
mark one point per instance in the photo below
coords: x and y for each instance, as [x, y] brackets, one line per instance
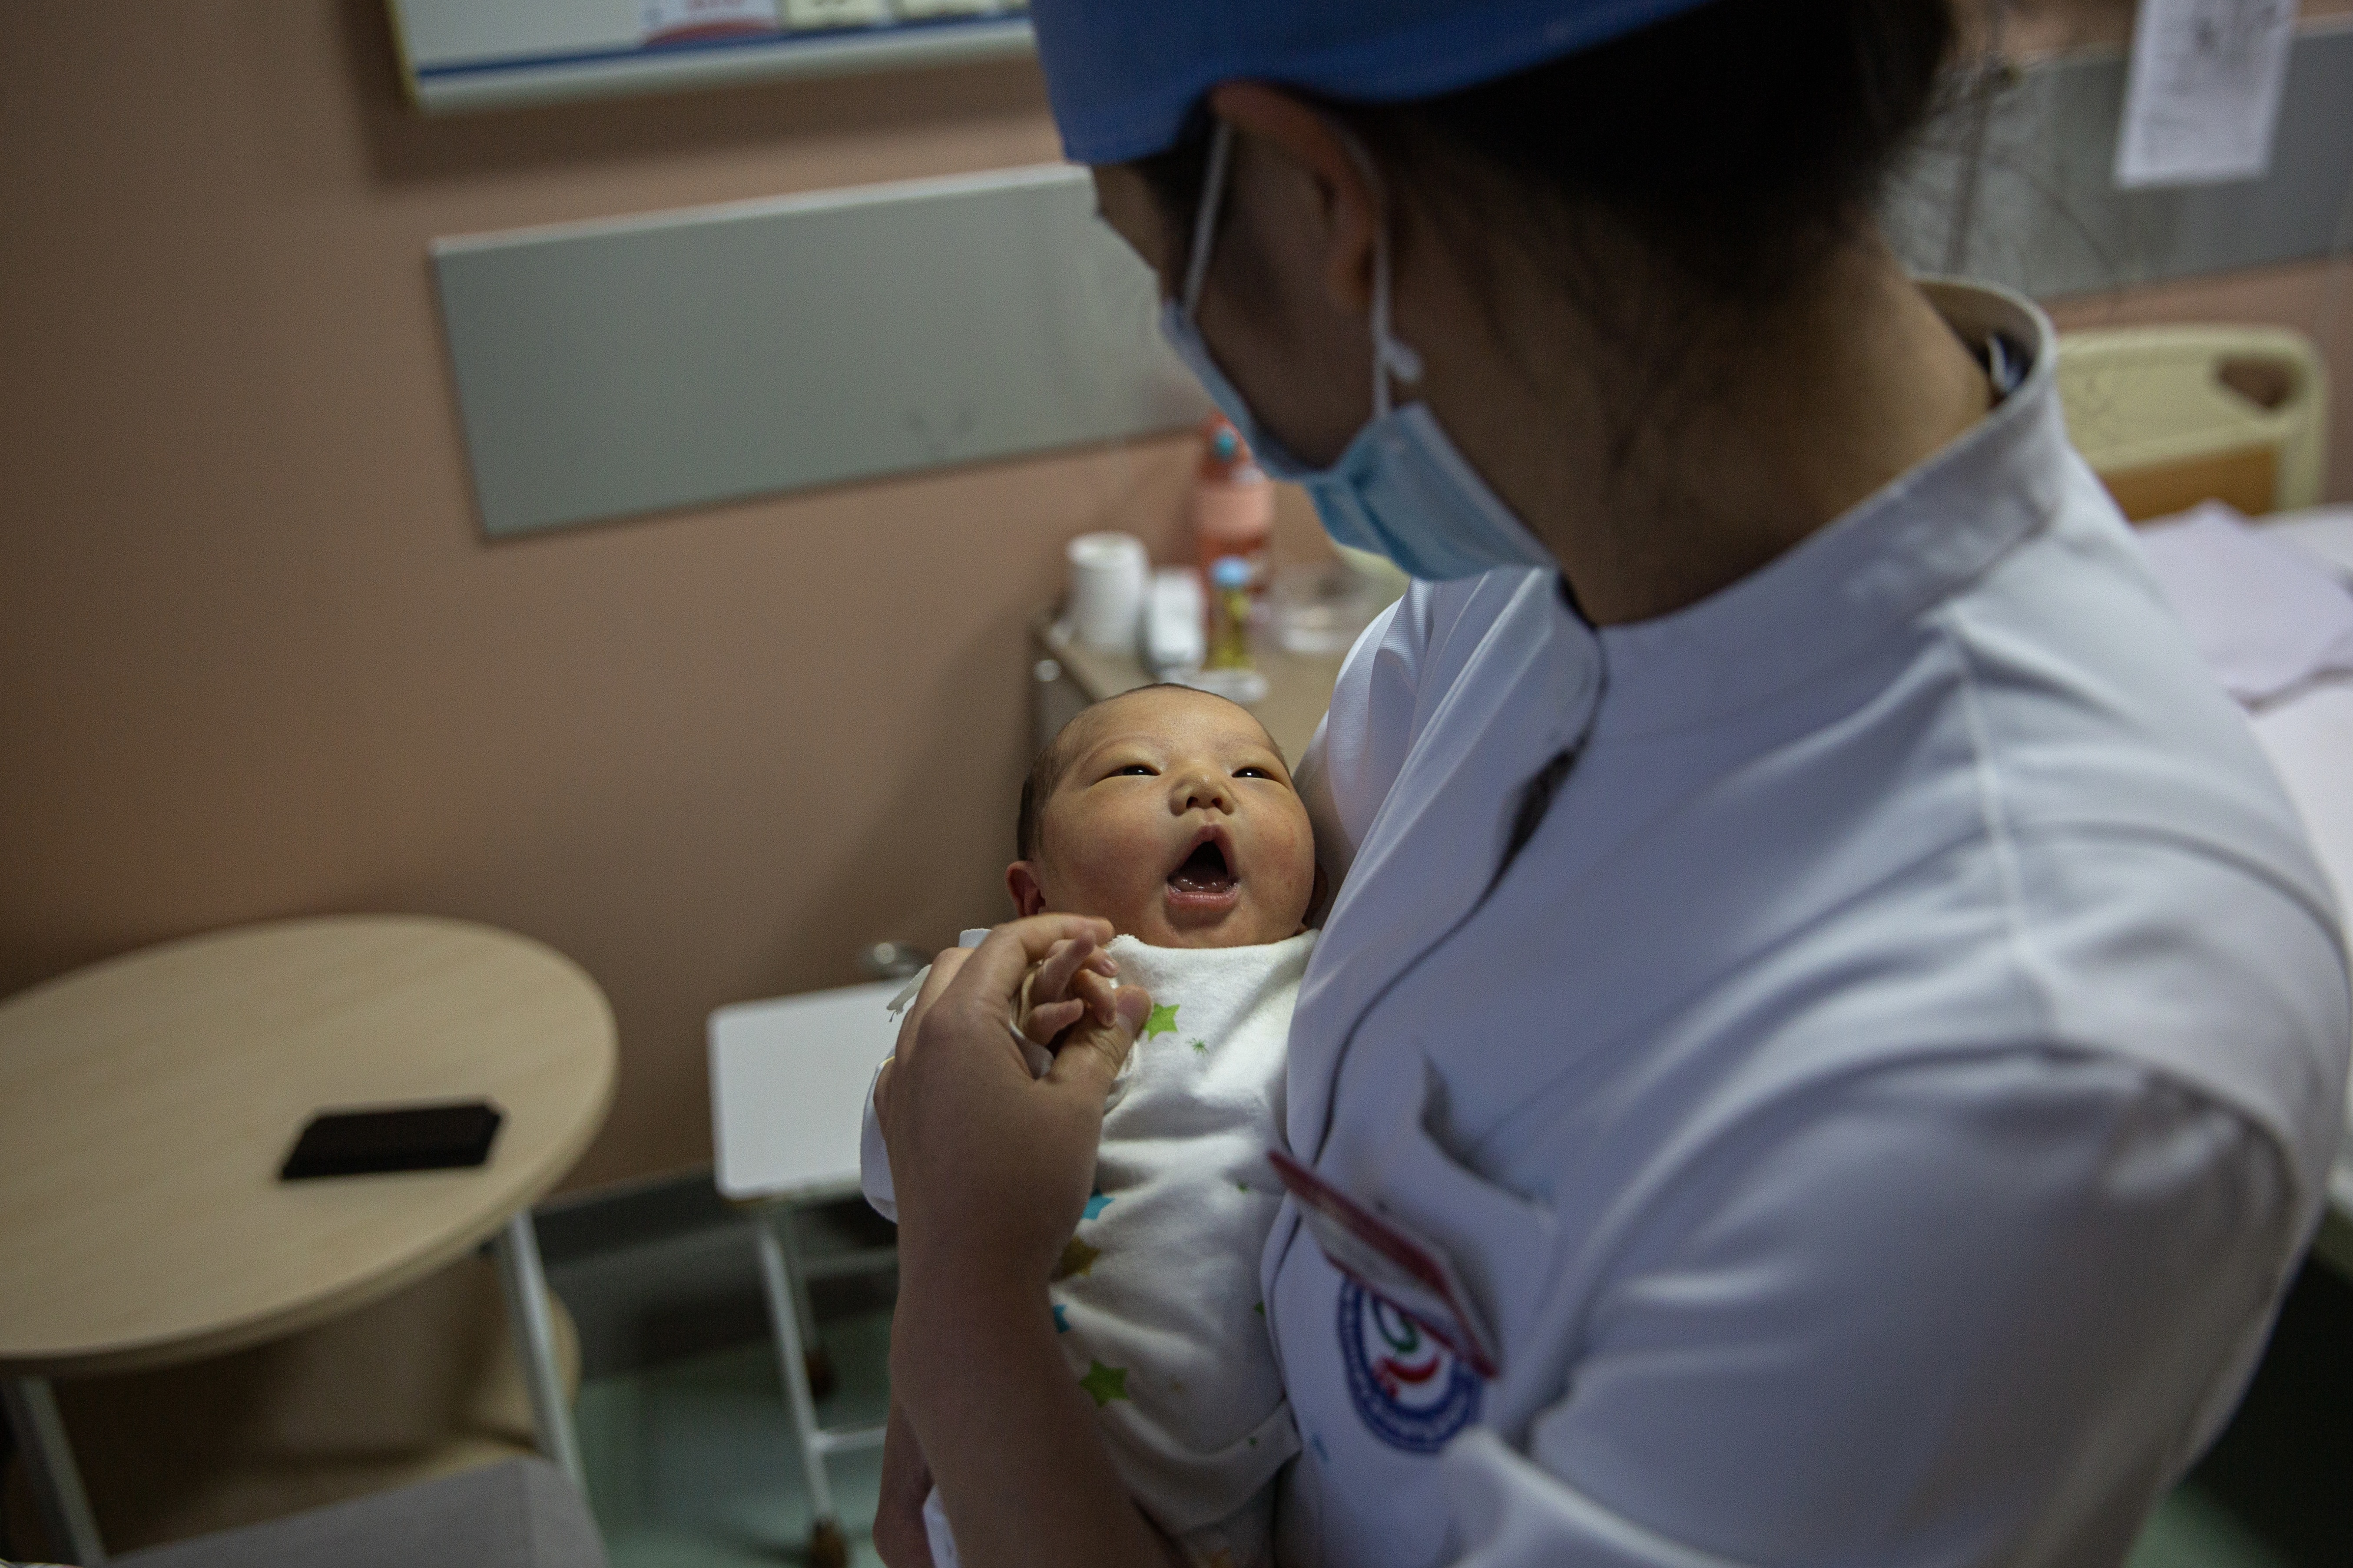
[49, 1465]
[526, 1290]
[784, 1317]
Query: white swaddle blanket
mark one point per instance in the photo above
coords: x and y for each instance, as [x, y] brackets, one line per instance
[1156, 1297]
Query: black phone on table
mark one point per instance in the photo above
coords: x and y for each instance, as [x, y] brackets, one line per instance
[374, 1141]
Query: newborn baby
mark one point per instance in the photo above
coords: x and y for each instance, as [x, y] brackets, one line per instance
[1169, 812]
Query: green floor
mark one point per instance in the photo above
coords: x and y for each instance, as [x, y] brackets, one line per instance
[691, 1464]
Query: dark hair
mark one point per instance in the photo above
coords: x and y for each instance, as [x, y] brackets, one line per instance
[1053, 760]
[1734, 142]
[1046, 770]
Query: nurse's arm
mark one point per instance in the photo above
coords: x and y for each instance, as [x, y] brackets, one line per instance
[1361, 741]
[1334, 850]
[1965, 1312]
[1011, 1439]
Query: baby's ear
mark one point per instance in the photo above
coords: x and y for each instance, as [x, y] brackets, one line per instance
[1029, 896]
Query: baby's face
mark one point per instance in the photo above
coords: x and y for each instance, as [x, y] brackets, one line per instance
[1174, 819]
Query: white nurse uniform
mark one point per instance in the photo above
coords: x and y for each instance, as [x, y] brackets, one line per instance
[1875, 1112]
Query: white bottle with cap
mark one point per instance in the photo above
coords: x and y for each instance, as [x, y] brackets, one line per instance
[1108, 575]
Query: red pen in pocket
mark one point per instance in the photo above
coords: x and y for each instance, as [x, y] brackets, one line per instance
[1391, 1262]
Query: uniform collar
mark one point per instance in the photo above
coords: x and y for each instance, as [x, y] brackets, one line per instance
[1843, 590]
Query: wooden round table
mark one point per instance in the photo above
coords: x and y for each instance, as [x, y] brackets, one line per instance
[149, 1100]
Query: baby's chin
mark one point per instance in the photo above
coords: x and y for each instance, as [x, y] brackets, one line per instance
[1169, 921]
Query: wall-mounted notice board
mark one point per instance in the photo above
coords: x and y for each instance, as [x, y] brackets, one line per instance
[639, 365]
[485, 54]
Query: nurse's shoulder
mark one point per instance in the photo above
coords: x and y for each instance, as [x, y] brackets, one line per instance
[2167, 903]
[1395, 679]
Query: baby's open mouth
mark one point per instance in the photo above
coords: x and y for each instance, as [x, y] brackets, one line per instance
[1204, 876]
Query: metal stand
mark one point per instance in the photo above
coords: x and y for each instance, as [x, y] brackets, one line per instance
[49, 1464]
[787, 1282]
[517, 1249]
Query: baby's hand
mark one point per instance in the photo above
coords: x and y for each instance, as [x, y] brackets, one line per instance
[1074, 980]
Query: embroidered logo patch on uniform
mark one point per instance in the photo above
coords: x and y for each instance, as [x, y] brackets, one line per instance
[1412, 1391]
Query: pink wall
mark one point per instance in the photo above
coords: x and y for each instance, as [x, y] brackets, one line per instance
[256, 660]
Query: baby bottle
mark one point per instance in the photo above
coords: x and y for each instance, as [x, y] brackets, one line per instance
[1233, 504]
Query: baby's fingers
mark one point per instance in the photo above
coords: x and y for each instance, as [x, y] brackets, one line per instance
[1051, 982]
[1098, 994]
[1090, 1057]
[1065, 959]
[1049, 1019]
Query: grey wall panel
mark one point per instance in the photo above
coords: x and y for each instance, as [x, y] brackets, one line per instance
[2049, 220]
[609, 369]
[606, 370]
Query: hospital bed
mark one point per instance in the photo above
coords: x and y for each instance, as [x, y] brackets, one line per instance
[2309, 738]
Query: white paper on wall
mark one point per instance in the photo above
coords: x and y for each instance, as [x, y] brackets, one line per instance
[2204, 95]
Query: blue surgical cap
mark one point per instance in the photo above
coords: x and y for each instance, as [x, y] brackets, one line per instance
[1124, 74]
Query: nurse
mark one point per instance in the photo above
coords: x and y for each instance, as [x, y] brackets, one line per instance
[1821, 979]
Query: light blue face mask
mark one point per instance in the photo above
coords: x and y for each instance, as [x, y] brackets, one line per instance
[1400, 490]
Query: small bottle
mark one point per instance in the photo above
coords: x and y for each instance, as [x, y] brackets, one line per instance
[1228, 669]
[1229, 614]
[1233, 504]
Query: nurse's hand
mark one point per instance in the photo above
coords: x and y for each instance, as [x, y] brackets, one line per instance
[991, 1166]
